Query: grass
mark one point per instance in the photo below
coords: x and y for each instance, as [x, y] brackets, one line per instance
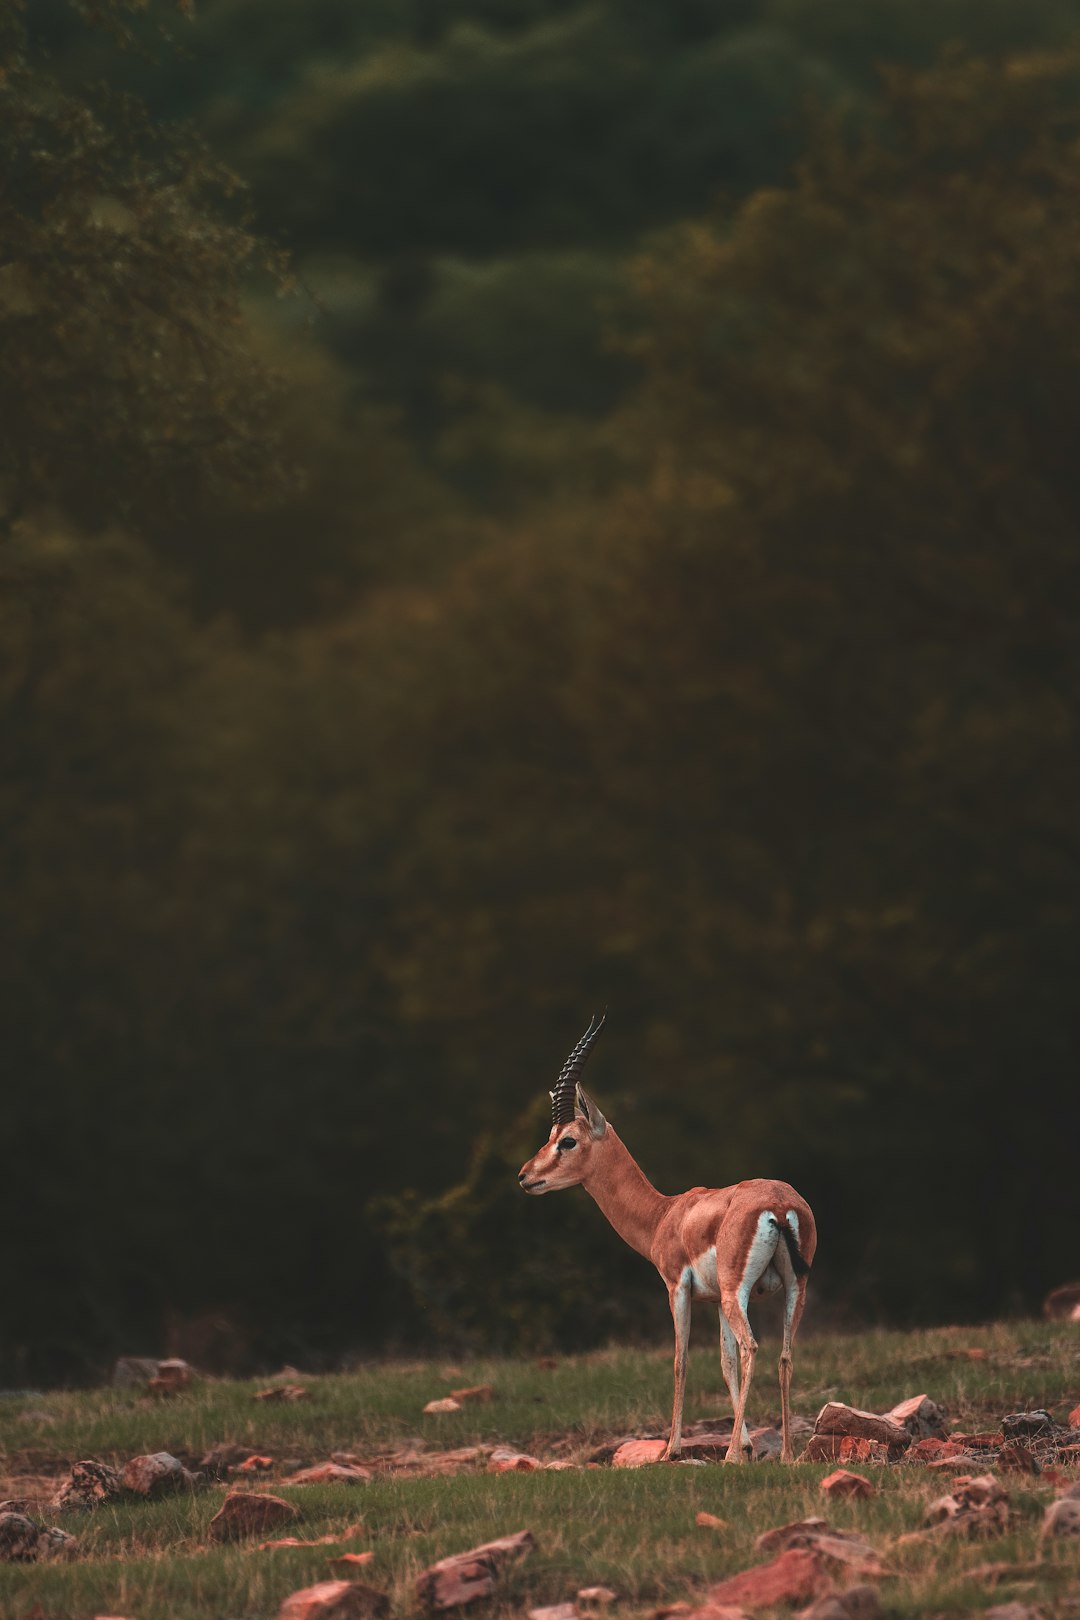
[631, 1530]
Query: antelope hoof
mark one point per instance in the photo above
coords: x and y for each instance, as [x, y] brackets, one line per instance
[736, 1454]
[671, 1455]
[787, 1456]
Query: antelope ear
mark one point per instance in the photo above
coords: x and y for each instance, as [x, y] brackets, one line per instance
[592, 1116]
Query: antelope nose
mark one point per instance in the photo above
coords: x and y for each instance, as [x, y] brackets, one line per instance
[521, 1178]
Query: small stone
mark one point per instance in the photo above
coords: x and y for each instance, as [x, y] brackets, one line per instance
[857, 1603]
[638, 1453]
[475, 1392]
[331, 1473]
[845, 1484]
[24, 1541]
[335, 1600]
[1062, 1518]
[465, 1577]
[1027, 1425]
[281, 1392]
[553, 1611]
[709, 1521]
[172, 1376]
[933, 1451]
[797, 1574]
[505, 1461]
[920, 1416]
[250, 1513]
[90, 1484]
[155, 1475]
[253, 1465]
[765, 1444]
[446, 1405]
[130, 1372]
[1016, 1457]
[1074, 1418]
[596, 1596]
[1063, 1304]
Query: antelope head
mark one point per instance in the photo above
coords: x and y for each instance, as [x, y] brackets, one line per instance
[577, 1127]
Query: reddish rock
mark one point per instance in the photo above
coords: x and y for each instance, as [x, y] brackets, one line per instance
[977, 1507]
[709, 1521]
[596, 1596]
[1074, 1418]
[155, 1475]
[842, 1547]
[331, 1473]
[90, 1484]
[281, 1392]
[842, 1483]
[465, 1577]
[798, 1574]
[346, 1565]
[1037, 1424]
[445, 1405]
[1015, 1457]
[553, 1611]
[711, 1445]
[335, 1600]
[254, 1465]
[250, 1513]
[334, 1539]
[836, 1418]
[637, 1453]
[24, 1541]
[171, 1377]
[920, 1416]
[797, 1533]
[505, 1461]
[927, 1451]
[1063, 1304]
[475, 1392]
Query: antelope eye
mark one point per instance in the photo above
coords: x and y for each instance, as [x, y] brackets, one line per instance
[567, 1142]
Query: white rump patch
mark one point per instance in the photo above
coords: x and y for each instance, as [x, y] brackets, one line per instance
[762, 1248]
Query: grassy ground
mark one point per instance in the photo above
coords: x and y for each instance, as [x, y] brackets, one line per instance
[633, 1531]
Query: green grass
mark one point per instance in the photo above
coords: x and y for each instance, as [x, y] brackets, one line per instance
[633, 1531]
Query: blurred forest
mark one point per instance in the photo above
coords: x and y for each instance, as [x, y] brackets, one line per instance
[508, 507]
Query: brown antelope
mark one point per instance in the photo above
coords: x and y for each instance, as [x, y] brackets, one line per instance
[715, 1243]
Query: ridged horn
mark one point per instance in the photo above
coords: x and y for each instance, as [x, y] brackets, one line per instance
[565, 1092]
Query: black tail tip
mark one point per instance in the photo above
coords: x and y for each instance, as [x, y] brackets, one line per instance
[798, 1265]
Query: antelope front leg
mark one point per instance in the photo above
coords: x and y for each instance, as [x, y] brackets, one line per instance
[679, 1300]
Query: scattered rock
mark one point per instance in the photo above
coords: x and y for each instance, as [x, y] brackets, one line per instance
[796, 1575]
[1063, 1304]
[1015, 1456]
[173, 1375]
[1028, 1425]
[24, 1541]
[977, 1507]
[1014, 1611]
[1074, 1418]
[331, 1540]
[155, 1475]
[464, 1577]
[837, 1419]
[709, 1521]
[711, 1445]
[335, 1600]
[253, 1465]
[842, 1547]
[475, 1392]
[920, 1416]
[765, 1444]
[857, 1603]
[345, 1566]
[281, 1392]
[596, 1597]
[446, 1405]
[250, 1513]
[331, 1473]
[933, 1451]
[221, 1459]
[130, 1372]
[553, 1611]
[843, 1483]
[90, 1484]
[799, 1533]
[505, 1461]
[1062, 1518]
[638, 1453]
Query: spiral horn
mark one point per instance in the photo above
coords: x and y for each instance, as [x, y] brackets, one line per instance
[565, 1092]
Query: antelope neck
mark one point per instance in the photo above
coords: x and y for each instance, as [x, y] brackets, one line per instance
[625, 1194]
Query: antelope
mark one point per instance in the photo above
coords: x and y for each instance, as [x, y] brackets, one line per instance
[713, 1243]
